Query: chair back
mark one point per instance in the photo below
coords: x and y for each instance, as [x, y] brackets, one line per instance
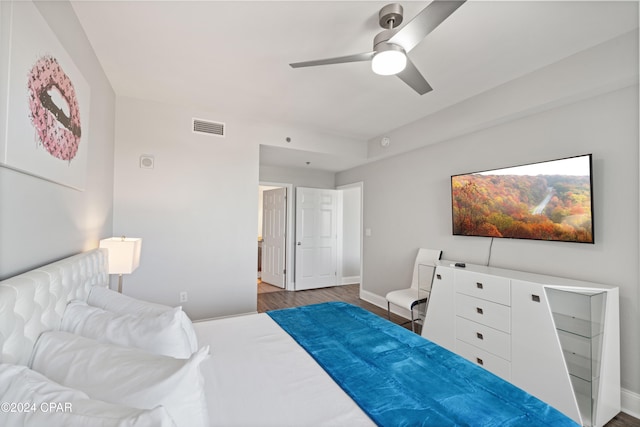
[424, 269]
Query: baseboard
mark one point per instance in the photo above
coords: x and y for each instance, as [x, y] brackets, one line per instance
[350, 280]
[630, 402]
[382, 303]
[223, 317]
[373, 298]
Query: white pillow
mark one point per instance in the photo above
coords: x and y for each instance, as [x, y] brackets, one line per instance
[126, 376]
[115, 302]
[119, 303]
[34, 400]
[160, 334]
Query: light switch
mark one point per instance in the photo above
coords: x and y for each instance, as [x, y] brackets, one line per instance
[367, 232]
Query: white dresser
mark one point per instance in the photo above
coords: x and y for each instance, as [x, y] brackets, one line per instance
[556, 338]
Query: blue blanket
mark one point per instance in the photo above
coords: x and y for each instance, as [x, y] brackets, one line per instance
[401, 379]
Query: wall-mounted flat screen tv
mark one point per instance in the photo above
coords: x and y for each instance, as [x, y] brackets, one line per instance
[549, 200]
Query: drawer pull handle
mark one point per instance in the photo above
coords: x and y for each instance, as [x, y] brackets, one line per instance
[480, 361]
[535, 298]
[438, 276]
[479, 310]
[479, 335]
[478, 285]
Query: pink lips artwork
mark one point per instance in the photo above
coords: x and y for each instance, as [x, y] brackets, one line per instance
[59, 133]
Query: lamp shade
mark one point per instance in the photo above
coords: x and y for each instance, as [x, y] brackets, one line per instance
[124, 254]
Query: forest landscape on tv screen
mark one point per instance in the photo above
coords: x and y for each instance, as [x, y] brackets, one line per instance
[542, 201]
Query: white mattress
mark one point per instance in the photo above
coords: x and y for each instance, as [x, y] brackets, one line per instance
[258, 375]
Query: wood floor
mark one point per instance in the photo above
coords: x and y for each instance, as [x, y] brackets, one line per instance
[270, 300]
[273, 299]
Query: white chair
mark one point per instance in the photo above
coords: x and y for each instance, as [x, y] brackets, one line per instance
[419, 292]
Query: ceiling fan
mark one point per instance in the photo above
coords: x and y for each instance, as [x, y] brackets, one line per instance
[390, 47]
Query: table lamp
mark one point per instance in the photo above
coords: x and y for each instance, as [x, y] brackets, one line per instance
[124, 255]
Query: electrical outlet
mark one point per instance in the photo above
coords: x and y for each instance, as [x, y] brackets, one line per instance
[183, 297]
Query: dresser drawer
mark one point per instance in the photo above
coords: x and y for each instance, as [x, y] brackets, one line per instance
[490, 362]
[487, 313]
[486, 338]
[490, 288]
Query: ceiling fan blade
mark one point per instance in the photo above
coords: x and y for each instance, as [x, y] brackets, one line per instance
[411, 76]
[424, 22]
[339, 60]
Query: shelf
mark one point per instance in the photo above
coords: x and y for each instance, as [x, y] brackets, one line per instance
[579, 366]
[574, 325]
[579, 320]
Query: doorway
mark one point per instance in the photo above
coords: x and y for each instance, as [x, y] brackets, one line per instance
[317, 238]
[349, 232]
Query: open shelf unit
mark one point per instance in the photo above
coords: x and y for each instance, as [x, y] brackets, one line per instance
[578, 315]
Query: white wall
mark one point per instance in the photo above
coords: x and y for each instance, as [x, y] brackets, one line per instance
[299, 177]
[407, 203]
[195, 210]
[351, 233]
[41, 221]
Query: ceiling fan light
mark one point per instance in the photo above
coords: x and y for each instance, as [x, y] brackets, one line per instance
[388, 62]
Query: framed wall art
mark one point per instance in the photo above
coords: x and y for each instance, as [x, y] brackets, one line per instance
[45, 109]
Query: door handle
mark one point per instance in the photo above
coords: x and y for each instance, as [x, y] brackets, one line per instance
[299, 243]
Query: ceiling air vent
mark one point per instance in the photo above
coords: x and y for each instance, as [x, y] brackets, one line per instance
[208, 127]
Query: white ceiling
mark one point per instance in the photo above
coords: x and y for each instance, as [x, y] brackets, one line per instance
[233, 56]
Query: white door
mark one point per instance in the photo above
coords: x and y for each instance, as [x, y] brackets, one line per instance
[316, 238]
[274, 226]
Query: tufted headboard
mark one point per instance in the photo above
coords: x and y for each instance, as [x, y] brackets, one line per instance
[33, 302]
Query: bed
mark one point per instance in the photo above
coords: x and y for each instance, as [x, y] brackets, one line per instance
[329, 364]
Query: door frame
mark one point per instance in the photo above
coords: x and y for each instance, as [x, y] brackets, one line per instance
[290, 239]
